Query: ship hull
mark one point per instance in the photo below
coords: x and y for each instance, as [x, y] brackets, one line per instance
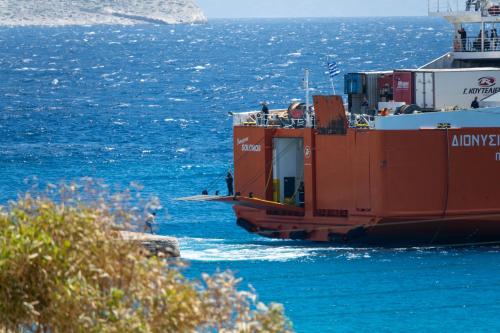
[417, 186]
[396, 233]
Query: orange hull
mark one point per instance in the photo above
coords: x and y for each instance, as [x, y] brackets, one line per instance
[385, 187]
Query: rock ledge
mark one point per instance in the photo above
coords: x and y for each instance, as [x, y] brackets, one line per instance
[155, 244]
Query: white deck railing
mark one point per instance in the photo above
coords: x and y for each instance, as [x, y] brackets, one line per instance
[464, 6]
[446, 6]
[474, 44]
[256, 118]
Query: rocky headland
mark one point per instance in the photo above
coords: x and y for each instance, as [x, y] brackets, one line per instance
[91, 12]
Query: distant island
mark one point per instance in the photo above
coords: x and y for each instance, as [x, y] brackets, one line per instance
[89, 12]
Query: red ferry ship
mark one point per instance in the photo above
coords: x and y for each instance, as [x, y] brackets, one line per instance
[406, 162]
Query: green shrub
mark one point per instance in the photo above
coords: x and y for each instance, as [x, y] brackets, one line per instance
[65, 268]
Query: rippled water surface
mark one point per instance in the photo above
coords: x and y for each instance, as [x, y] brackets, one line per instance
[150, 104]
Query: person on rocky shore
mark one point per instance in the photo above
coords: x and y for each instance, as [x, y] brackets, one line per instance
[150, 222]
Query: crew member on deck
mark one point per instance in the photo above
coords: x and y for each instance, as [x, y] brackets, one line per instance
[494, 39]
[301, 195]
[477, 43]
[265, 112]
[477, 5]
[365, 105]
[463, 38]
[475, 104]
[468, 4]
[229, 182]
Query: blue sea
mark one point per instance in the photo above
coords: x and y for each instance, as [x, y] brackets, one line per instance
[150, 104]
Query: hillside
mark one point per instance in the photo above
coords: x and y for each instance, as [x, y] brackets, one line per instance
[87, 12]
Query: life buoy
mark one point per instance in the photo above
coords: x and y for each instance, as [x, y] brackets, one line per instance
[494, 10]
[296, 110]
[297, 113]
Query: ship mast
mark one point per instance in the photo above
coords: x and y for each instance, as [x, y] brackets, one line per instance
[308, 101]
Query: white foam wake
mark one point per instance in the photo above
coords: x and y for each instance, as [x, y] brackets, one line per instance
[210, 250]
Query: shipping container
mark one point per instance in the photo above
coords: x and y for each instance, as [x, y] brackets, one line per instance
[403, 87]
[385, 91]
[446, 89]
[370, 87]
[424, 90]
[492, 101]
[353, 83]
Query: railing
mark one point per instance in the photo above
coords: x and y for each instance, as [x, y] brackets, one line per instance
[486, 7]
[276, 118]
[245, 118]
[474, 44]
[445, 6]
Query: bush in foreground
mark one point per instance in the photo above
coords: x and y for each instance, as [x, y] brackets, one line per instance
[65, 268]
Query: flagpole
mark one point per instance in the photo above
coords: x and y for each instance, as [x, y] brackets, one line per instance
[333, 86]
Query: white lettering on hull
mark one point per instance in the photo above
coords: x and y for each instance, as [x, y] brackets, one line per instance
[241, 141]
[476, 140]
[251, 148]
[498, 157]
[246, 147]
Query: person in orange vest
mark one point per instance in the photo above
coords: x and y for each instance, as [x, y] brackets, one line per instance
[384, 112]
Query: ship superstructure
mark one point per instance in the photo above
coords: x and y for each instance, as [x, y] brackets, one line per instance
[407, 161]
[477, 47]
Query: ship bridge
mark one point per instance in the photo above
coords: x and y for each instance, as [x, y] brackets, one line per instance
[476, 42]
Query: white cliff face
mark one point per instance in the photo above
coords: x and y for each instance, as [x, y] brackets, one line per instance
[87, 12]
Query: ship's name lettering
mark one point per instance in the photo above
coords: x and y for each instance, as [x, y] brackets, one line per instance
[498, 156]
[484, 91]
[242, 141]
[476, 140]
[251, 148]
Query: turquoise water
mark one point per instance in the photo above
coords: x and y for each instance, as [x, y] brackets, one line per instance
[150, 103]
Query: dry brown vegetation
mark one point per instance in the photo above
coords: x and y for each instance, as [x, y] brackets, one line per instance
[64, 268]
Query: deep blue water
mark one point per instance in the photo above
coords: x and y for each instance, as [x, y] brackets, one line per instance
[149, 104]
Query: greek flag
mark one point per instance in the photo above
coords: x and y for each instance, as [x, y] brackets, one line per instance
[333, 69]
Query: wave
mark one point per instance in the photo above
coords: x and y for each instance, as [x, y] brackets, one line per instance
[212, 250]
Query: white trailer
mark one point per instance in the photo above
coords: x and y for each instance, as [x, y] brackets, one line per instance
[446, 89]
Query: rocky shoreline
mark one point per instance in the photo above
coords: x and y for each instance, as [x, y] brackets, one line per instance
[92, 12]
[155, 244]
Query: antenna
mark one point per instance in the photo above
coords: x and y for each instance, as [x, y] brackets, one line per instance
[308, 102]
[306, 86]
